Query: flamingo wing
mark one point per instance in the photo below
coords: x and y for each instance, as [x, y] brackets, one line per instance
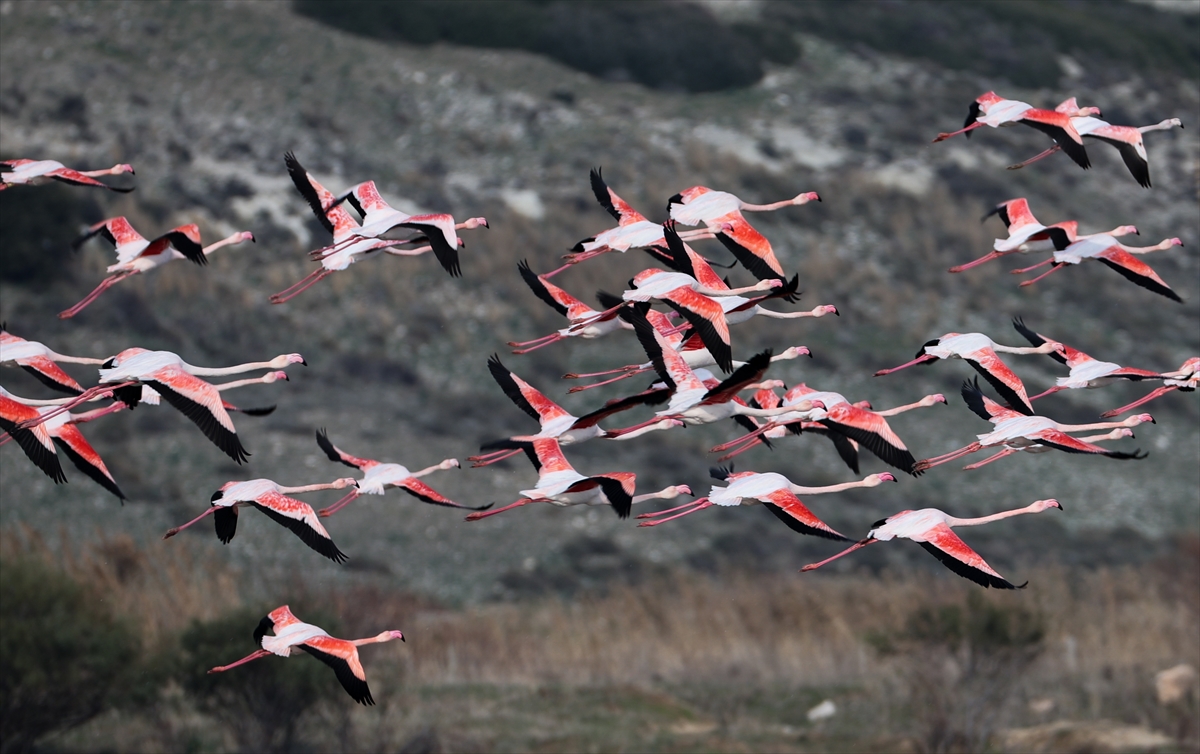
[1054, 438]
[650, 339]
[277, 619]
[707, 319]
[618, 497]
[613, 204]
[337, 455]
[942, 543]
[75, 178]
[615, 406]
[200, 402]
[303, 183]
[225, 521]
[1004, 380]
[435, 228]
[35, 442]
[185, 245]
[528, 398]
[1059, 128]
[752, 249]
[427, 494]
[556, 298]
[984, 407]
[342, 656]
[1136, 271]
[522, 445]
[870, 430]
[751, 371]
[1139, 168]
[796, 515]
[86, 459]
[302, 520]
[50, 374]
[550, 456]
[1037, 339]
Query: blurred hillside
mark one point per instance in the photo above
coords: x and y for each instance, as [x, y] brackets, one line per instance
[204, 99]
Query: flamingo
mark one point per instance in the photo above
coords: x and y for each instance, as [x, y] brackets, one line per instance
[35, 442]
[380, 476]
[585, 322]
[989, 109]
[560, 484]
[1026, 234]
[554, 420]
[633, 230]
[1086, 372]
[775, 491]
[32, 172]
[1116, 255]
[136, 255]
[272, 499]
[701, 205]
[39, 361]
[62, 430]
[1186, 379]
[1127, 140]
[931, 528]
[1016, 432]
[339, 654]
[980, 352]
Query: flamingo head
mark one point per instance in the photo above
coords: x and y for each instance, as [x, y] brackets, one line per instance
[793, 352]
[877, 479]
[769, 384]
[766, 285]
[476, 222]
[1093, 111]
[449, 463]
[387, 636]
[674, 491]
[1174, 242]
[1133, 421]
[122, 168]
[929, 400]
[344, 482]
[244, 236]
[1125, 230]
[1041, 505]
[824, 309]
[863, 404]
[805, 198]
[286, 360]
[1117, 434]
[273, 376]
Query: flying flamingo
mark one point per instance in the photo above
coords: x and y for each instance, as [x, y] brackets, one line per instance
[585, 322]
[339, 654]
[980, 352]
[1185, 379]
[1116, 255]
[1086, 372]
[560, 484]
[273, 500]
[1016, 432]
[554, 420]
[62, 430]
[380, 476]
[989, 109]
[1126, 139]
[39, 361]
[137, 255]
[32, 172]
[766, 397]
[1026, 234]
[633, 230]
[700, 205]
[931, 528]
[35, 442]
[775, 491]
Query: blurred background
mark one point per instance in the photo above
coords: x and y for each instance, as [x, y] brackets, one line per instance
[550, 629]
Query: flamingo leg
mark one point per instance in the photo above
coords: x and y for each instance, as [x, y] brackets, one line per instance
[1047, 273]
[748, 436]
[581, 388]
[309, 281]
[847, 551]
[543, 344]
[580, 375]
[479, 462]
[518, 343]
[929, 463]
[349, 498]
[753, 443]
[656, 514]
[919, 360]
[85, 396]
[1043, 394]
[699, 505]
[105, 284]
[1036, 157]
[1023, 270]
[615, 433]
[172, 532]
[484, 514]
[5, 438]
[986, 461]
[1156, 392]
[985, 258]
[580, 256]
[252, 656]
[944, 136]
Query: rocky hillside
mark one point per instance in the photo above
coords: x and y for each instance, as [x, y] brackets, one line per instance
[205, 98]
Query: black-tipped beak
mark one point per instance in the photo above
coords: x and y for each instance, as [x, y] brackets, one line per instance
[303, 362]
[1060, 507]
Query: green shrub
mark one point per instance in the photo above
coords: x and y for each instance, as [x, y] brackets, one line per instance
[63, 658]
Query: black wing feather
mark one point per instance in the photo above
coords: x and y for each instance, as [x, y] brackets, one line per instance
[620, 500]
[1144, 282]
[799, 526]
[306, 534]
[1035, 339]
[1070, 147]
[1014, 400]
[1138, 168]
[974, 398]
[600, 190]
[330, 451]
[44, 458]
[96, 475]
[356, 687]
[224, 439]
[753, 263]
[889, 454]
[721, 351]
[982, 578]
[299, 178]
[504, 379]
[186, 246]
[225, 521]
[539, 290]
[50, 382]
[446, 254]
[636, 316]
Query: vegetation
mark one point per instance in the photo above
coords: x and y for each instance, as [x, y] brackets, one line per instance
[36, 230]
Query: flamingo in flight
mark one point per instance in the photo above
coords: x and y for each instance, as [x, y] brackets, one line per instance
[1017, 432]
[1126, 139]
[1086, 372]
[980, 352]
[1026, 234]
[1186, 379]
[339, 654]
[378, 477]
[855, 423]
[932, 529]
[136, 255]
[584, 321]
[1114, 254]
[40, 361]
[775, 491]
[32, 172]
[36, 441]
[272, 499]
[560, 484]
[766, 397]
[63, 431]
[379, 217]
[989, 109]
[633, 230]
[554, 420]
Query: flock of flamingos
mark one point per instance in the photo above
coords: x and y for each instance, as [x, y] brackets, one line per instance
[683, 343]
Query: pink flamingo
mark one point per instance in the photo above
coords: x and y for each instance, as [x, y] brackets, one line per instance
[1115, 255]
[64, 433]
[1086, 372]
[989, 109]
[36, 441]
[339, 654]
[136, 255]
[33, 172]
[272, 499]
[775, 491]
[584, 321]
[931, 528]
[560, 484]
[380, 476]
[39, 361]
[1185, 379]
[700, 205]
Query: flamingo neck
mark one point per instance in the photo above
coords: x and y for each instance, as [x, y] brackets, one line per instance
[1165, 125]
[952, 521]
[236, 238]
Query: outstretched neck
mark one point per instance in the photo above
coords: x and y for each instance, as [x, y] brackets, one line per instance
[1046, 347]
[339, 484]
[386, 636]
[952, 521]
[1163, 126]
[236, 238]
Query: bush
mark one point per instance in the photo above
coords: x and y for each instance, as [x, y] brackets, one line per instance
[37, 225]
[63, 658]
